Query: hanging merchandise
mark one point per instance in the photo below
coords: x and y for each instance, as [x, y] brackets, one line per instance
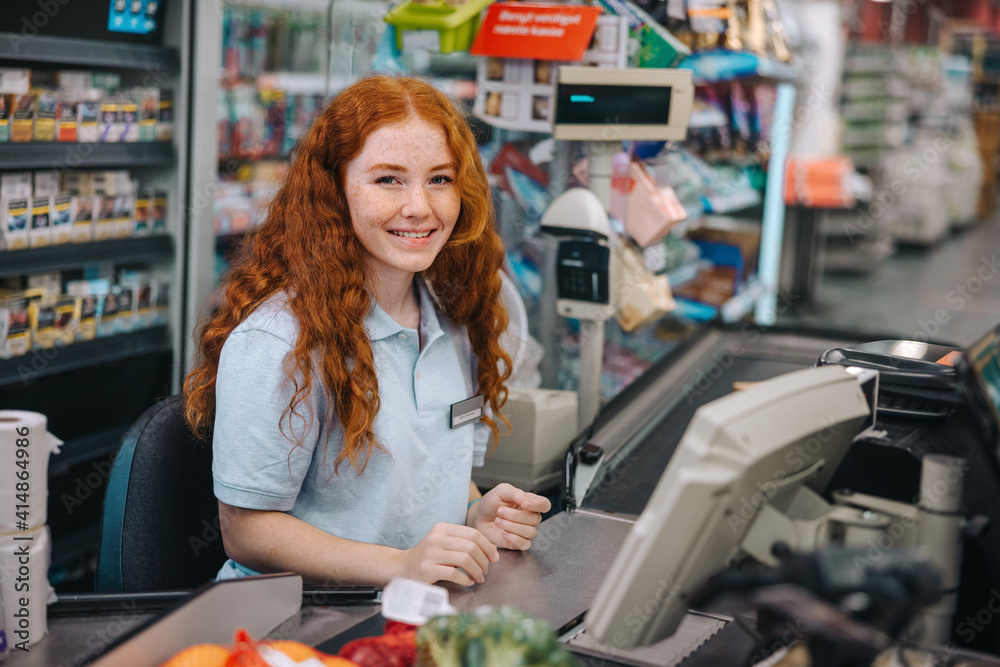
[648, 211]
[436, 26]
[642, 296]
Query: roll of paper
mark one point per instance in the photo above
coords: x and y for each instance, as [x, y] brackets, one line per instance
[25, 446]
[24, 585]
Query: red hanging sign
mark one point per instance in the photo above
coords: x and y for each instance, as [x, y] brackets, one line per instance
[539, 32]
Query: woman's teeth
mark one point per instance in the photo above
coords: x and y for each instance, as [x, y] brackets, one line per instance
[411, 235]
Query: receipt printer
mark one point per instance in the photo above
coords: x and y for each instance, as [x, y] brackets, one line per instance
[543, 422]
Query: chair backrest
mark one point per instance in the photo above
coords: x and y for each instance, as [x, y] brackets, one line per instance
[160, 529]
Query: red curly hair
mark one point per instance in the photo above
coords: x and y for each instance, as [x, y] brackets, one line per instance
[308, 248]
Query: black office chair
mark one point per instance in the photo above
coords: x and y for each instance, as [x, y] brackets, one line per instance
[160, 529]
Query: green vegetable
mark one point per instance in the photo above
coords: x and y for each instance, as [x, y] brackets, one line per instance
[501, 637]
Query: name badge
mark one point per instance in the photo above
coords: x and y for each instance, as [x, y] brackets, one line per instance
[466, 411]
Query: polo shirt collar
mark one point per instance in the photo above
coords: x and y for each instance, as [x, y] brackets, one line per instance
[380, 325]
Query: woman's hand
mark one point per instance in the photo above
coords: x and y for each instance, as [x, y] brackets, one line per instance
[445, 549]
[508, 516]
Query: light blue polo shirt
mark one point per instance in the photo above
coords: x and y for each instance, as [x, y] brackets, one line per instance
[421, 479]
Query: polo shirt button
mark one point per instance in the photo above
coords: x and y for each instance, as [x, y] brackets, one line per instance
[402, 336]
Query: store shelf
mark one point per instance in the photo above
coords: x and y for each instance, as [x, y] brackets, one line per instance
[59, 155]
[75, 255]
[721, 65]
[87, 53]
[41, 363]
[86, 448]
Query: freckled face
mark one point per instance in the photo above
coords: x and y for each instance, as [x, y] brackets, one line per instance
[402, 196]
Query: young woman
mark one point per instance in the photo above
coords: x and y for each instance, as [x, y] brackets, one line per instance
[366, 308]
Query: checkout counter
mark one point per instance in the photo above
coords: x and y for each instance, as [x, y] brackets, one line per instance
[636, 433]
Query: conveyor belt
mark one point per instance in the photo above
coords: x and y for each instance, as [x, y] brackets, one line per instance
[645, 428]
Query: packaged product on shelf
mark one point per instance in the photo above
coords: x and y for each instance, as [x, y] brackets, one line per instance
[141, 215]
[126, 320]
[110, 126]
[88, 118]
[148, 113]
[165, 122]
[15, 184]
[66, 322]
[16, 219]
[66, 127]
[107, 324]
[161, 308]
[107, 80]
[45, 183]
[105, 227]
[124, 205]
[42, 316]
[144, 306]
[84, 207]
[86, 317]
[24, 117]
[75, 79]
[15, 329]
[129, 118]
[159, 212]
[40, 233]
[4, 117]
[92, 295]
[16, 81]
[44, 284]
[62, 219]
[46, 111]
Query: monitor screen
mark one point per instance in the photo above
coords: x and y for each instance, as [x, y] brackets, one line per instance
[983, 358]
[587, 104]
[770, 448]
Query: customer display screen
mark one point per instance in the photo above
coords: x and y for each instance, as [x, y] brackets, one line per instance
[589, 104]
[984, 358]
[134, 16]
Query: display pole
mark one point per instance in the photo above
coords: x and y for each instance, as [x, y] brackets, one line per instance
[773, 227]
[591, 361]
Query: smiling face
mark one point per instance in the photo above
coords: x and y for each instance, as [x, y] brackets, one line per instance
[402, 197]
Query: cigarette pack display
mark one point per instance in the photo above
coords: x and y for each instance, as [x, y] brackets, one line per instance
[141, 215]
[42, 315]
[162, 306]
[110, 125]
[44, 284]
[62, 219]
[106, 223]
[86, 317]
[5, 103]
[84, 208]
[24, 117]
[145, 313]
[107, 80]
[75, 79]
[15, 80]
[149, 112]
[40, 234]
[107, 317]
[46, 111]
[16, 219]
[165, 123]
[88, 116]
[129, 118]
[124, 205]
[15, 330]
[66, 129]
[159, 212]
[127, 316]
[66, 322]
[15, 185]
[46, 183]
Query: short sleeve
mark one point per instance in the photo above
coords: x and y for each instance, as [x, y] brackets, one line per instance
[254, 464]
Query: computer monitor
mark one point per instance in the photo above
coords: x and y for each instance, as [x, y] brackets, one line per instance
[982, 361]
[756, 446]
[621, 104]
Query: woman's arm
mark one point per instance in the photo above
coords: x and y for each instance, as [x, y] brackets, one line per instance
[272, 541]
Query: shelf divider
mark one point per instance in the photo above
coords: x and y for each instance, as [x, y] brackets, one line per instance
[76, 255]
[90, 52]
[70, 155]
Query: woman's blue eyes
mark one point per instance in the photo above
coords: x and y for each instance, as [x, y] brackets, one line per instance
[437, 180]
